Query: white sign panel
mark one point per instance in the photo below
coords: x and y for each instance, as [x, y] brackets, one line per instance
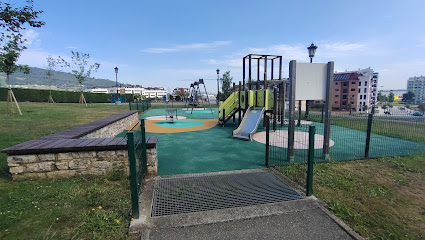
[311, 81]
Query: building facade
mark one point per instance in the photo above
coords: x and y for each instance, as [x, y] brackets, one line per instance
[147, 92]
[355, 90]
[417, 86]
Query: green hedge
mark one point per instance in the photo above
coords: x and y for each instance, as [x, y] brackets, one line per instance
[36, 95]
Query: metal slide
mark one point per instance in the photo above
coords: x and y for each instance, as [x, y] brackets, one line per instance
[249, 124]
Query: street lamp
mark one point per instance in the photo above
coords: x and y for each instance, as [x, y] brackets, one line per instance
[116, 83]
[218, 87]
[312, 51]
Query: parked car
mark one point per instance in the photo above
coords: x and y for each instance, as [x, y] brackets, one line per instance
[387, 113]
[418, 114]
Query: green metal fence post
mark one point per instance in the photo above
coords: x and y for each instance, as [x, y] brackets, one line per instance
[323, 109]
[137, 105]
[310, 162]
[129, 105]
[144, 151]
[369, 130]
[133, 175]
[266, 119]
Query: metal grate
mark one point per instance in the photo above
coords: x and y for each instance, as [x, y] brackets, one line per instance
[203, 193]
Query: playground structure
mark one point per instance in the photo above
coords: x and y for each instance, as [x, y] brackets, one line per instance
[195, 96]
[171, 115]
[252, 100]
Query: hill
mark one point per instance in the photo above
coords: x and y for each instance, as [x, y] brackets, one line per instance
[63, 80]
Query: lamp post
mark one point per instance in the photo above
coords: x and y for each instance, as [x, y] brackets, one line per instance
[311, 52]
[218, 87]
[116, 83]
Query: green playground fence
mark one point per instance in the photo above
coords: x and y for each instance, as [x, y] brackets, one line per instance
[137, 156]
[299, 167]
[140, 106]
[353, 136]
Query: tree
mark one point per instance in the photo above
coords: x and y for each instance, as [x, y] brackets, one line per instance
[50, 69]
[12, 21]
[227, 85]
[391, 97]
[80, 69]
[409, 97]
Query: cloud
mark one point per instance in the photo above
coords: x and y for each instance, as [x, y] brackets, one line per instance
[71, 47]
[192, 46]
[31, 37]
[344, 47]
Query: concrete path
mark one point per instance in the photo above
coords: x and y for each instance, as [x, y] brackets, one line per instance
[305, 218]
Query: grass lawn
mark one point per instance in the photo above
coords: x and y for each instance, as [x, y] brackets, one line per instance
[409, 128]
[379, 198]
[79, 207]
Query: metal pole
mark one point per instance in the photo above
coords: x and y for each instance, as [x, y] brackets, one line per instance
[299, 113]
[218, 90]
[369, 131]
[328, 110]
[116, 85]
[249, 74]
[275, 109]
[291, 126]
[133, 174]
[266, 119]
[310, 162]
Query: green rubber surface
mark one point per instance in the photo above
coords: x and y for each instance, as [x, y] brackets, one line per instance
[215, 150]
[180, 124]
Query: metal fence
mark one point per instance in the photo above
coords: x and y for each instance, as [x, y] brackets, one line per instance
[396, 132]
[352, 136]
[136, 140]
[140, 106]
[297, 167]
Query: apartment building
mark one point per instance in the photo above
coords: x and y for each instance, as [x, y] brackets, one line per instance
[417, 86]
[148, 92]
[355, 89]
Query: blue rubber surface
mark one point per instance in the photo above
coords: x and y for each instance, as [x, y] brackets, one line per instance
[179, 124]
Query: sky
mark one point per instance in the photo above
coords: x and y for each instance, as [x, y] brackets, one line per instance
[173, 43]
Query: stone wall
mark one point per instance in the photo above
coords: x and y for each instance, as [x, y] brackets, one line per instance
[54, 165]
[113, 129]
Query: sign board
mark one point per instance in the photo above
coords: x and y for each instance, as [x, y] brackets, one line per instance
[311, 79]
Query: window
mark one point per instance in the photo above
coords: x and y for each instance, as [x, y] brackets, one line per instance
[352, 103]
[353, 82]
[365, 90]
[344, 103]
[344, 97]
[344, 90]
[360, 84]
[353, 90]
[364, 96]
[365, 84]
[336, 102]
[336, 83]
[359, 90]
[361, 96]
[337, 90]
[345, 83]
[336, 95]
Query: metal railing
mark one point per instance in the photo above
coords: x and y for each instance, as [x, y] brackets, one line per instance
[140, 106]
[137, 156]
[384, 133]
[299, 167]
